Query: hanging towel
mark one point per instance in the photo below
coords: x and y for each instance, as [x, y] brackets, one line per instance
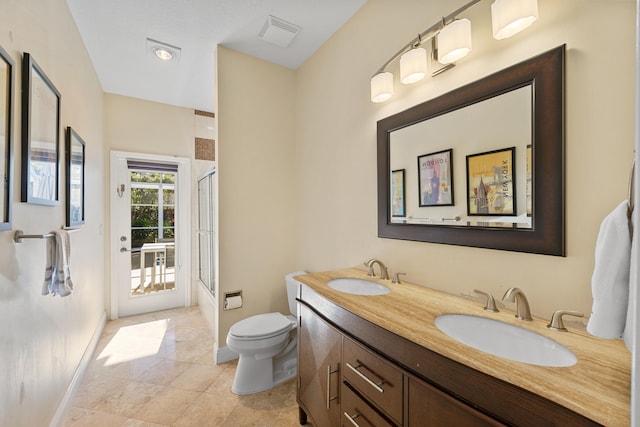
[57, 277]
[610, 280]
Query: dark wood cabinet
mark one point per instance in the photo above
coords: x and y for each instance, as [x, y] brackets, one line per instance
[319, 346]
[428, 406]
[353, 372]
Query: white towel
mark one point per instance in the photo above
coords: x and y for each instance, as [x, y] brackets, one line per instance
[610, 280]
[57, 277]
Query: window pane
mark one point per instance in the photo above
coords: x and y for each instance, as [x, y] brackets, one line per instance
[169, 217]
[141, 236]
[168, 178]
[144, 196]
[144, 216]
[168, 196]
[168, 233]
[145, 177]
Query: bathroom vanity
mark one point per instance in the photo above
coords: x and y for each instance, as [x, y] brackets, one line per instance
[380, 360]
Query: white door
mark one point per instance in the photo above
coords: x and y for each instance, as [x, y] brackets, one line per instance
[149, 234]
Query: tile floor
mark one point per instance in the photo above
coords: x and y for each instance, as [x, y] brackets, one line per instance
[157, 370]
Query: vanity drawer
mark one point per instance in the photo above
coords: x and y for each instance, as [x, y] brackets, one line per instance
[357, 412]
[374, 377]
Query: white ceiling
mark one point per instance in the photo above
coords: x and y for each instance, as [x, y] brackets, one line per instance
[115, 32]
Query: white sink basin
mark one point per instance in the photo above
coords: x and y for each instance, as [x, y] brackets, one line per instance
[358, 286]
[505, 340]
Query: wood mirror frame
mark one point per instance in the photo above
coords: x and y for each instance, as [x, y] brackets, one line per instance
[545, 74]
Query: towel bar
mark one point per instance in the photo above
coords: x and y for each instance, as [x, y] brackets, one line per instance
[19, 235]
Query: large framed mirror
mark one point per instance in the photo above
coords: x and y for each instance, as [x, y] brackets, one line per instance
[482, 165]
[6, 138]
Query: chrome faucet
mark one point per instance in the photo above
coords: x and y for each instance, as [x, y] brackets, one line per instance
[384, 272]
[522, 305]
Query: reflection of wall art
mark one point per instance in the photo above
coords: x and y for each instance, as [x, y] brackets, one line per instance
[398, 202]
[529, 181]
[6, 137]
[40, 136]
[490, 178]
[435, 178]
[74, 153]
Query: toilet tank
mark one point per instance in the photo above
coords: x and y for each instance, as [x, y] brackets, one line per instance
[292, 290]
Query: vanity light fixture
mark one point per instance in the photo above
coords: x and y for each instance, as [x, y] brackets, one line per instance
[451, 40]
[509, 17]
[413, 65]
[454, 41]
[381, 87]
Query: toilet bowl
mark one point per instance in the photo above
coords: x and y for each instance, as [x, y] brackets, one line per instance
[266, 346]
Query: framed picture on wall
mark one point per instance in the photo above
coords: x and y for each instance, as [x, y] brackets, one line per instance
[435, 179]
[75, 155]
[6, 138]
[398, 202]
[490, 177]
[40, 136]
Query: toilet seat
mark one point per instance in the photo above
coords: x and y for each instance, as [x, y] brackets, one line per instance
[261, 326]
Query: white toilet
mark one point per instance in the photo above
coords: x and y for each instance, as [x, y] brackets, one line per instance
[266, 345]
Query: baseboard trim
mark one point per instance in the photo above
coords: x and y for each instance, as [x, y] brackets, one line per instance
[223, 354]
[67, 399]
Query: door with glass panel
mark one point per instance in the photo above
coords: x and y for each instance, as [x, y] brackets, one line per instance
[147, 229]
[207, 231]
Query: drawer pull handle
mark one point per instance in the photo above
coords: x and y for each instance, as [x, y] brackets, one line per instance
[364, 377]
[352, 419]
[329, 397]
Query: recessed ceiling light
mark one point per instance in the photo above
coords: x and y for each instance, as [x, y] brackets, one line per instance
[163, 51]
[163, 54]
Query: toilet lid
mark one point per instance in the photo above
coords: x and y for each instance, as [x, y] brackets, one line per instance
[261, 326]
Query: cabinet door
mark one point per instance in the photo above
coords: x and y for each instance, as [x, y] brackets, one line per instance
[319, 350]
[429, 406]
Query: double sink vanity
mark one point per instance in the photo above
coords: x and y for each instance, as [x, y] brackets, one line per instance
[373, 352]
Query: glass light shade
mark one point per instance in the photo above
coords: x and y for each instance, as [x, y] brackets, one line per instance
[454, 41]
[413, 65]
[509, 17]
[381, 87]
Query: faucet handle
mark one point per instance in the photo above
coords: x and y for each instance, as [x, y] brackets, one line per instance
[556, 322]
[369, 264]
[491, 302]
[396, 278]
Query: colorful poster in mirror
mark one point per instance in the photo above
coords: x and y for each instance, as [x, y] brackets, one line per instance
[435, 177]
[398, 203]
[490, 178]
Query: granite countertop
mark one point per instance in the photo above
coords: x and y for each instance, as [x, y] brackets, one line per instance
[597, 386]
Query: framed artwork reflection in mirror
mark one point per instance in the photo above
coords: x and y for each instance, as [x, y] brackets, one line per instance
[40, 136]
[6, 138]
[75, 155]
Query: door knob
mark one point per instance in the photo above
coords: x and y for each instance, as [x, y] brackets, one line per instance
[124, 250]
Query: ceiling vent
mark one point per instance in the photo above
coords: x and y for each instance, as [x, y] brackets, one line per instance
[278, 32]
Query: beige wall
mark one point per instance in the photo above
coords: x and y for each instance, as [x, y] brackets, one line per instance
[257, 180]
[139, 126]
[336, 143]
[43, 338]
